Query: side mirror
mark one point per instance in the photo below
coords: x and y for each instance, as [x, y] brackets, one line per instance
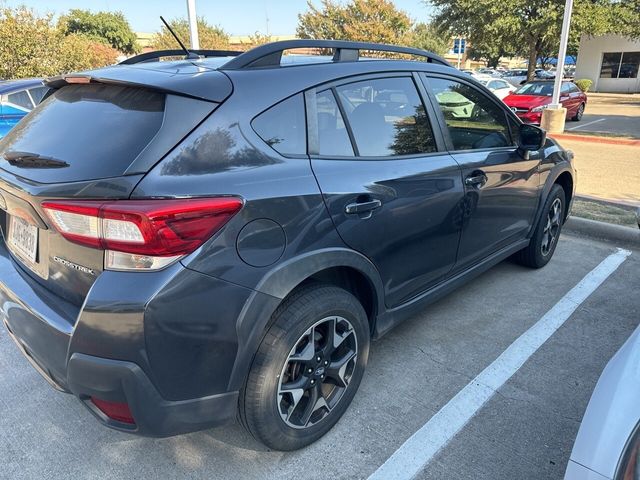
[531, 138]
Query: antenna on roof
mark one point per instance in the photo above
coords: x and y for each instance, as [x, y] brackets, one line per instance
[189, 54]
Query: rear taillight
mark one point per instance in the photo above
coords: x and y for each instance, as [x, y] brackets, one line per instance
[142, 234]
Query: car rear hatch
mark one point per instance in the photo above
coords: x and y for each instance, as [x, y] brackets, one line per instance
[93, 138]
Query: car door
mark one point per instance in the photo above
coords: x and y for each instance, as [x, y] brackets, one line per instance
[575, 97]
[14, 106]
[393, 192]
[567, 100]
[501, 184]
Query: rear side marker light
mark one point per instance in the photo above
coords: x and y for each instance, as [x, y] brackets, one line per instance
[142, 234]
[114, 410]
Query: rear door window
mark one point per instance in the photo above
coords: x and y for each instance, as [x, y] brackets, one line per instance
[333, 137]
[92, 131]
[37, 94]
[387, 117]
[20, 99]
[283, 126]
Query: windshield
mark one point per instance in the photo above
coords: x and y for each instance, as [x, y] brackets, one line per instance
[540, 89]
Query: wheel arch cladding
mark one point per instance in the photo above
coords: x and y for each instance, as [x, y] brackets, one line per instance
[341, 267]
[565, 180]
[354, 282]
[337, 266]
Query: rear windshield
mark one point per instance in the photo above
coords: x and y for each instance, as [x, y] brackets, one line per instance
[83, 132]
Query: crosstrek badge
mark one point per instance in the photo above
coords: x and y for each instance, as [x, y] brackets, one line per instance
[75, 266]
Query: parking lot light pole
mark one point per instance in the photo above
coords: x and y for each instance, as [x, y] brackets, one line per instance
[193, 24]
[553, 117]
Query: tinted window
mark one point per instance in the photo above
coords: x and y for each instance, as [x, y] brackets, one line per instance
[333, 138]
[21, 99]
[37, 94]
[98, 130]
[515, 129]
[620, 65]
[387, 117]
[630, 65]
[610, 65]
[283, 126]
[473, 120]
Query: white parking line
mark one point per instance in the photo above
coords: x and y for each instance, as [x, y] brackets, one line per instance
[423, 445]
[588, 123]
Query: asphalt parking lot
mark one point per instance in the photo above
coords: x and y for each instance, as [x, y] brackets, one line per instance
[610, 114]
[525, 430]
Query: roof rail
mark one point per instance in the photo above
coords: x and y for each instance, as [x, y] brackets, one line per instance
[158, 54]
[270, 54]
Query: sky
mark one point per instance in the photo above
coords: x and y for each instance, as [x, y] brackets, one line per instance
[239, 17]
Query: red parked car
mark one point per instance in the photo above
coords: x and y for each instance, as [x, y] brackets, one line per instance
[532, 98]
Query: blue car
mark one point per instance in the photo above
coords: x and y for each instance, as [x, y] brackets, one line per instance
[17, 98]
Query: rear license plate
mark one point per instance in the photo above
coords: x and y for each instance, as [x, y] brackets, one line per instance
[23, 238]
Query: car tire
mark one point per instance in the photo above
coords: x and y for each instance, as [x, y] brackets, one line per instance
[578, 116]
[272, 407]
[545, 237]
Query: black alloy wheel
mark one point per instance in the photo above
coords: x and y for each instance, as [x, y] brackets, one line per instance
[317, 372]
[545, 237]
[552, 227]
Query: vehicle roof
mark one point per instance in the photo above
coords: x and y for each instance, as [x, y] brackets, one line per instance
[8, 86]
[204, 79]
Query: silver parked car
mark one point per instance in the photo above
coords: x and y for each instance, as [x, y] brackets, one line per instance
[608, 443]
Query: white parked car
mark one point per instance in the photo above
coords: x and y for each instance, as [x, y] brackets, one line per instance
[608, 442]
[490, 71]
[515, 77]
[500, 88]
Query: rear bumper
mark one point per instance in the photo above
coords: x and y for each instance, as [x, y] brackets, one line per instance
[61, 342]
[40, 323]
[115, 380]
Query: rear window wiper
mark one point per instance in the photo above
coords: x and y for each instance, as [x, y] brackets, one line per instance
[33, 160]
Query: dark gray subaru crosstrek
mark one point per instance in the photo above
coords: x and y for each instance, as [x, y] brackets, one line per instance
[189, 241]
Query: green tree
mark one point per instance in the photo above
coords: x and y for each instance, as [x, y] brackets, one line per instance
[111, 28]
[528, 27]
[358, 20]
[427, 37]
[28, 44]
[78, 52]
[32, 46]
[258, 39]
[210, 36]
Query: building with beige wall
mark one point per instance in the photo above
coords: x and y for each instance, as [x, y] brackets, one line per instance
[611, 62]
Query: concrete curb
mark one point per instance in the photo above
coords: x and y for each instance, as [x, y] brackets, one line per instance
[624, 204]
[622, 236]
[596, 139]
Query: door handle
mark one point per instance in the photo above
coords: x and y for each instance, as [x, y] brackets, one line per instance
[363, 207]
[476, 179]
